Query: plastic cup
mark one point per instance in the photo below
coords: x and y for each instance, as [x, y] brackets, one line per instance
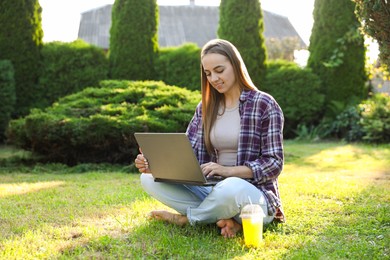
[252, 223]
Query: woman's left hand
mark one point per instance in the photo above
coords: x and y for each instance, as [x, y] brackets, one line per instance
[214, 169]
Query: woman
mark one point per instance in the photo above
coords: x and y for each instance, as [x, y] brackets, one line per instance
[236, 133]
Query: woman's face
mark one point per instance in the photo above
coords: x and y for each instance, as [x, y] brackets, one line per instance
[219, 72]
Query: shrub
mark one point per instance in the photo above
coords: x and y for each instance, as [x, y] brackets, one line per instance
[70, 67]
[297, 92]
[368, 121]
[97, 124]
[7, 94]
[375, 118]
[346, 125]
[180, 66]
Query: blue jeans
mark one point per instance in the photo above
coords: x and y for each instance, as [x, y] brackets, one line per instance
[207, 204]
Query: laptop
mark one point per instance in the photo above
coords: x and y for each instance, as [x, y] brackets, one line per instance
[172, 159]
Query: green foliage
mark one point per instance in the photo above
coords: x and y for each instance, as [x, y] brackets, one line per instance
[307, 133]
[368, 121]
[345, 126]
[97, 124]
[297, 91]
[7, 94]
[375, 17]
[179, 66]
[337, 52]
[282, 48]
[241, 22]
[375, 113]
[70, 67]
[133, 39]
[20, 42]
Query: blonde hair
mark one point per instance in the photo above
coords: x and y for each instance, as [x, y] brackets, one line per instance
[211, 98]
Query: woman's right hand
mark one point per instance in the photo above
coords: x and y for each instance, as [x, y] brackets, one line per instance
[142, 164]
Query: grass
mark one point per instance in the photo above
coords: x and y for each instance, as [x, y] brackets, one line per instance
[335, 196]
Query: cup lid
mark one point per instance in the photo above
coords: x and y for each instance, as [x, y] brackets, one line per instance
[252, 210]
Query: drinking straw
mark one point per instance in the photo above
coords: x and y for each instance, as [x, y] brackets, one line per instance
[250, 201]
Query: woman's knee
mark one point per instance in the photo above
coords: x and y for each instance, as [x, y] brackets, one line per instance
[147, 180]
[234, 187]
[234, 183]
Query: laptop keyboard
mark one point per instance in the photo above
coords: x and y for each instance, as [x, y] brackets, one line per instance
[214, 178]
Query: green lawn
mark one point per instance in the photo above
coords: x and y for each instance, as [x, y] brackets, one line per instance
[336, 198]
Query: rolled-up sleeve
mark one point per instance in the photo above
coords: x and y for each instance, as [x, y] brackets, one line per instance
[269, 162]
[261, 141]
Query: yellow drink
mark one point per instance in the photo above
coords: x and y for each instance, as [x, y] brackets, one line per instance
[253, 231]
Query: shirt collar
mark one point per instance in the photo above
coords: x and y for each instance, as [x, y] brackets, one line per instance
[247, 95]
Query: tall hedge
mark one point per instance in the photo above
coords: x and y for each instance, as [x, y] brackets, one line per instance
[297, 90]
[133, 39]
[7, 95]
[337, 52]
[70, 67]
[241, 22]
[20, 42]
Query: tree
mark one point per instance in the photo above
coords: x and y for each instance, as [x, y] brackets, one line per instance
[7, 95]
[337, 52]
[241, 23]
[133, 39]
[20, 42]
[375, 17]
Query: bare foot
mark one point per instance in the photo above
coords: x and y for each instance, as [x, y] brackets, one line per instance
[169, 217]
[229, 227]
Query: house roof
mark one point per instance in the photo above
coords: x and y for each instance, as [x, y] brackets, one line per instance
[179, 25]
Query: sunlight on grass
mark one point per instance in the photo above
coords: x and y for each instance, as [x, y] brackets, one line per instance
[327, 189]
[335, 196]
[350, 159]
[80, 234]
[23, 188]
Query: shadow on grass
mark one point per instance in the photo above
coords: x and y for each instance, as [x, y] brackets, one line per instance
[157, 240]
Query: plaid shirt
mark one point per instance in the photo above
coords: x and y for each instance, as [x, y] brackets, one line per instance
[260, 144]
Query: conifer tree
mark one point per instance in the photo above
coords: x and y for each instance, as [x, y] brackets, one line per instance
[337, 52]
[20, 42]
[241, 23]
[133, 39]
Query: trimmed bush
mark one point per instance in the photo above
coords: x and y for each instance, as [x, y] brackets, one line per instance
[69, 68]
[297, 91]
[97, 124]
[180, 66]
[7, 94]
